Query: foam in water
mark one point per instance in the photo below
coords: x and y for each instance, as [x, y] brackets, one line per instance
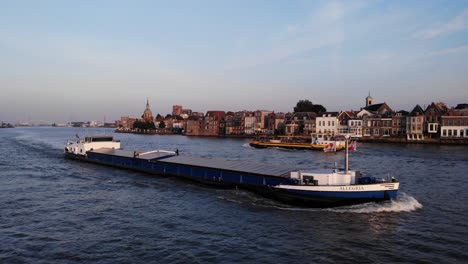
[247, 145]
[404, 203]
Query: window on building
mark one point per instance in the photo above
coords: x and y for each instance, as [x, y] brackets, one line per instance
[461, 133]
[455, 132]
[367, 132]
[386, 132]
[449, 132]
[376, 132]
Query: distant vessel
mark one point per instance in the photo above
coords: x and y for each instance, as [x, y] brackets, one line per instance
[311, 188]
[316, 143]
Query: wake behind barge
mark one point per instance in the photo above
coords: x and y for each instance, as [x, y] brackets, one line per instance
[318, 188]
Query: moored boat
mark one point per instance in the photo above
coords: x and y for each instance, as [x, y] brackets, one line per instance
[311, 188]
[315, 143]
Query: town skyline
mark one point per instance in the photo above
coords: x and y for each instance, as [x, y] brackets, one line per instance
[63, 62]
[137, 113]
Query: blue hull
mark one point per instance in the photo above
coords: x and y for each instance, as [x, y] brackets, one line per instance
[259, 183]
[329, 199]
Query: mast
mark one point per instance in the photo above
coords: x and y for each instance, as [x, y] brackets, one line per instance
[346, 155]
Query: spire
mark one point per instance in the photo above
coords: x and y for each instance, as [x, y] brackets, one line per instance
[369, 100]
[147, 102]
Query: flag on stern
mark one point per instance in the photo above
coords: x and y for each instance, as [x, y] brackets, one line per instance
[330, 147]
[352, 146]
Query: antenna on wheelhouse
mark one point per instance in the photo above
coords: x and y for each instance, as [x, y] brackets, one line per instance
[346, 155]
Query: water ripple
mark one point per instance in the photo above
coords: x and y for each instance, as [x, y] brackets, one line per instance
[58, 211]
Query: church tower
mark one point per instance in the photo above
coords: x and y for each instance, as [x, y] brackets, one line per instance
[147, 114]
[369, 100]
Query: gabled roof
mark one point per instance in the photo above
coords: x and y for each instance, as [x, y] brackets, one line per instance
[403, 112]
[350, 114]
[461, 106]
[417, 111]
[373, 107]
[439, 107]
[379, 109]
[364, 112]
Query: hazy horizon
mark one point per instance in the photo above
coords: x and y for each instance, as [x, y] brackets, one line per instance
[64, 61]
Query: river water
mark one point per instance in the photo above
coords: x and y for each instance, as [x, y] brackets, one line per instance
[54, 210]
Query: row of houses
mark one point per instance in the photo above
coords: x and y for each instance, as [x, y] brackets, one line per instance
[374, 121]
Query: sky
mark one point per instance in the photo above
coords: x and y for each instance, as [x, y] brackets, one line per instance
[63, 61]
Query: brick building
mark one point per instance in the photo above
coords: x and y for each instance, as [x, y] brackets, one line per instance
[414, 124]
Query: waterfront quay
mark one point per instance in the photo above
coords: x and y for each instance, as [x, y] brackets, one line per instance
[375, 122]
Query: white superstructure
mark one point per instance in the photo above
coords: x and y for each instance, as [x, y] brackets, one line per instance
[81, 146]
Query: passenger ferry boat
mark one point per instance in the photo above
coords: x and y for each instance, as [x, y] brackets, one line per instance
[316, 143]
[311, 188]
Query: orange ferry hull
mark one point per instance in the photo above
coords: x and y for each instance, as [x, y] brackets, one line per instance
[260, 144]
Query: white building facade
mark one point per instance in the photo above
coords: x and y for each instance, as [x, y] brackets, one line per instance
[327, 124]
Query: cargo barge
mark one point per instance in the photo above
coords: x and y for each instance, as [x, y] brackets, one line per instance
[310, 188]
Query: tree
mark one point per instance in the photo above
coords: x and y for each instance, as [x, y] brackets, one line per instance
[162, 124]
[142, 125]
[281, 129]
[308, 106]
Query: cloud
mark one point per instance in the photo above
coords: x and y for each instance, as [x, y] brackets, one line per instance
[458, 23]
[449, 51]
[333, 11]
[322, 28]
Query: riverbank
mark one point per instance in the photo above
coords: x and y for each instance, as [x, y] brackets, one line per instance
[392, 140]
[429, 141]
